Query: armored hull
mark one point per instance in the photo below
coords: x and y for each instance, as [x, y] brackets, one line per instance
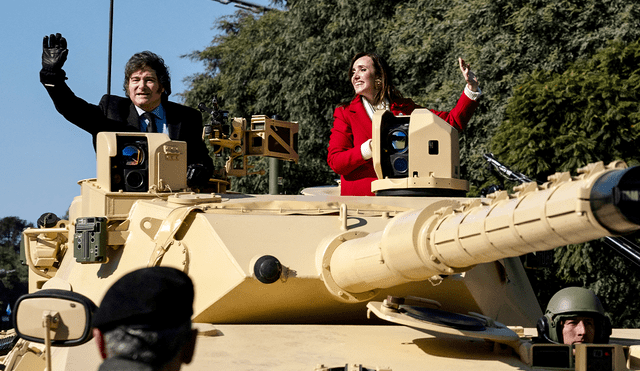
[313, 281]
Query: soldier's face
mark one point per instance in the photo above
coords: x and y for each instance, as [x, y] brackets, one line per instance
[578, 330]
[144, 89]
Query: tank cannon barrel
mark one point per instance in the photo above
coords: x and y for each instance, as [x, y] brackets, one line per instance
[454, 235]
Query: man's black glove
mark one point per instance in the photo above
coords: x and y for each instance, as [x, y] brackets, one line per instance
[198, 175]
[54, 54]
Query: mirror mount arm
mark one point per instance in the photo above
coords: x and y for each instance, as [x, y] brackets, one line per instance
[50, 320]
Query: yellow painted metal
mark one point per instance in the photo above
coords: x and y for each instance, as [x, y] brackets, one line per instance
[337, 254]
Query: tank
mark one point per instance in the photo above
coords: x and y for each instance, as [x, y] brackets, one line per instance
[417, 278]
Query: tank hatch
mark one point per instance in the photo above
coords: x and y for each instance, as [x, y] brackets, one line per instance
[437, 321]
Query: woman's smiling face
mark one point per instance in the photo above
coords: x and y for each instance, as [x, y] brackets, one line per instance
[363, 78]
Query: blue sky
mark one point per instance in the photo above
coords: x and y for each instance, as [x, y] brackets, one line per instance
[42, 156]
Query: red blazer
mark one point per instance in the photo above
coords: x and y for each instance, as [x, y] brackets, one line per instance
[352, 127]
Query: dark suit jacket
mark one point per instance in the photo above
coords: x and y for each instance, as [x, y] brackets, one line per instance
[119, 114]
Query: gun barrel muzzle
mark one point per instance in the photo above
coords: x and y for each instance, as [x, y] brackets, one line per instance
[615, 200]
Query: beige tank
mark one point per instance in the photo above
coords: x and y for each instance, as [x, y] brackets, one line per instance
[308, 282]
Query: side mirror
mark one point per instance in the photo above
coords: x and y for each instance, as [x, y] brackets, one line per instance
[66, 314]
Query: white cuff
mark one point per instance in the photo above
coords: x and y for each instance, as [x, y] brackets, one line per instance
[365, 150]
[473, 95]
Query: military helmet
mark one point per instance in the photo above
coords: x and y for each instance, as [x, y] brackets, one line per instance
[571, 302]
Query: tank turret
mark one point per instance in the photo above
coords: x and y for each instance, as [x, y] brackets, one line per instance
[318, 260]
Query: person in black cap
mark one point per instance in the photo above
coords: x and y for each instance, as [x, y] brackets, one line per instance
[144, 321]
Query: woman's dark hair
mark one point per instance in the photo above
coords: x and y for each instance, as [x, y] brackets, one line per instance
[383, 73]
[148, 59]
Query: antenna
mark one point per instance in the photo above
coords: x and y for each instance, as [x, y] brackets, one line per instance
[110, 48]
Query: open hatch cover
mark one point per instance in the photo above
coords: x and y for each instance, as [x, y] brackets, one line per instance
[439, 321]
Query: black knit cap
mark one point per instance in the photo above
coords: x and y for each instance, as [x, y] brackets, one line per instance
[149, 298]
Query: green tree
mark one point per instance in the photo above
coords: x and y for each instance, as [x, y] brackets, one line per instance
[11, 228]
[588, 113]
[14, 284]
[504, 41]
[294, 62]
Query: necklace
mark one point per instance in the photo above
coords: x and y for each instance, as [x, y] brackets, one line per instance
[384, 105]
[381, 106]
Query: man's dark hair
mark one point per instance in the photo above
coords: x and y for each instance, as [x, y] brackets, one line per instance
[148, 59]
[155, 347]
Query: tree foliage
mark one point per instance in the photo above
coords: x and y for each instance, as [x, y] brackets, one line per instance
[294, 63]
[504, 41]
[588, 113]
[562, 121]
[12, 285]
[11, 228]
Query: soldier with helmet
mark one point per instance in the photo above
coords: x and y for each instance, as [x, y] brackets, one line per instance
[574, 315]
